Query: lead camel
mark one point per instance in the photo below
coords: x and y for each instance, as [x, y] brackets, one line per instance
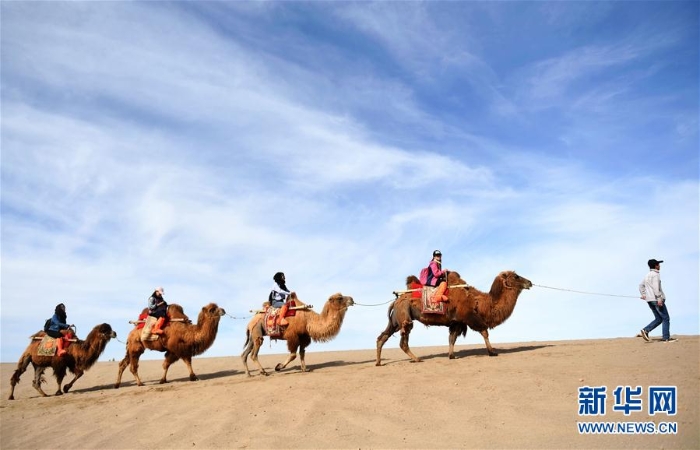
[467, 308]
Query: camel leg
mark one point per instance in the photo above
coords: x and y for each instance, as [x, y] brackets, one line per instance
[246, 351]
[38, 379]
[290, 358]
[257, 343]
[60, 373]
[169, 359]
[188, 363]
[302, 351]
[133, 362]
[78, 373]
[123, 364]
[382, 338]
[21, 368]
[406, 328]
[485, 335]
[454, 334]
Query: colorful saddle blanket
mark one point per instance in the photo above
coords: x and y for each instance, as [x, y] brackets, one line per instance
[47, 346]
[428, 306]
[272, 327]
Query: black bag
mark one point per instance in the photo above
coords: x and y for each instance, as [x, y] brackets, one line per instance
[47, 324]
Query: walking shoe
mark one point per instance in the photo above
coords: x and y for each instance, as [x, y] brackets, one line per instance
[645, 335]
[669, 340]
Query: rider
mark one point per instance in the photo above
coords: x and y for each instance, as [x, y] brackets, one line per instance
[437, 277]
[278, 297]
[59, 329]
[158, 308]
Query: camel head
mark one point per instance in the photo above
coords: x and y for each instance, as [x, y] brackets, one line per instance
[411, 279]
[340, 301]
[511, 280]
[106, 332]
[212, 309]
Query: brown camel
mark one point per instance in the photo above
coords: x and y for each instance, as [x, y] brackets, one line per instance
[180, 340]
[80, 356]
[467, 308]
[303, 327]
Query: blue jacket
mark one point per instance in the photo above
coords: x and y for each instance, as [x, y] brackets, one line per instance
[56, 324]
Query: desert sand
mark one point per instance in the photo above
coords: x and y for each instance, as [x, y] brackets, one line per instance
[527, 397]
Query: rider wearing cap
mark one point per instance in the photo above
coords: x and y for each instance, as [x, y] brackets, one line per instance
[437, 277]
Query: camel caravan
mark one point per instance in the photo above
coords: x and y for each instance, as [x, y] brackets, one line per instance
[438, 297]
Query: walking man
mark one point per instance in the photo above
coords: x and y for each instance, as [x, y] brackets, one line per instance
[651, 291]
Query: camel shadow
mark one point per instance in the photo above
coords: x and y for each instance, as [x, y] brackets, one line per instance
[102, 387]
[482, 351]
[208, 376]
[324, 365]
[472, 352]
[338, 363]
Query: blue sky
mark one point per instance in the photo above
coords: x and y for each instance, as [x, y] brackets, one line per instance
[204, 146]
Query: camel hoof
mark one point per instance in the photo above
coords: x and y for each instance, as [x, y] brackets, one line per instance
[12, 397]
[265, 374]
[378, 364]
[116, 386]
[59, 393]
[163, 381]
[493, 354]
[451, 356]
[194, 378]
[416, 360]
[278, 367]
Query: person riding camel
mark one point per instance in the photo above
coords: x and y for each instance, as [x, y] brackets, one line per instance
[158, 308]
[60, 330]
[278, 297]
[437, 277]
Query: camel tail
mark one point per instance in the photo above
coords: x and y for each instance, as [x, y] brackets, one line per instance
[247, 338]
[390, 310]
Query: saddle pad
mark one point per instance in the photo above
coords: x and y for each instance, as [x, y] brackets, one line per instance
[146, 330]
[271, 327]
[47, 346]
[428, 306]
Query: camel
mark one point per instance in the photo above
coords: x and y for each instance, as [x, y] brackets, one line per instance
[303, 327]
[467, 308]
[180, 340]
[80, 356]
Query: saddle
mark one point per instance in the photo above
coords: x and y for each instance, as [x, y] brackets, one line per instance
[47, 346]
[427, 306]
[145, 324]
[272, 318]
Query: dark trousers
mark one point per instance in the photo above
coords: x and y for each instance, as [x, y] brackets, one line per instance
[661, 317]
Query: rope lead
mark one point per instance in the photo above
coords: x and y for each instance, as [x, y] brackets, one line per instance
[583, 292]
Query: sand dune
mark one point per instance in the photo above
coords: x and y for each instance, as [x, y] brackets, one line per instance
[525, 398]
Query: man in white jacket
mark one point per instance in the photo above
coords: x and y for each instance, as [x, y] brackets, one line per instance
[651, 291]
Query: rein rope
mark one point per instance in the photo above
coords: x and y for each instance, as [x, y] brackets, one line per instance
[374, 304]
[238, 318]
[583, 292]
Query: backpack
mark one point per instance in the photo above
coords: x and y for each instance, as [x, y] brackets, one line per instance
[47, 324]
[423, 278]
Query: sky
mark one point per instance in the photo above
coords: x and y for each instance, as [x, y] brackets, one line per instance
[204, 146]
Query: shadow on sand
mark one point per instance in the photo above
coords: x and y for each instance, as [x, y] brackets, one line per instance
[478, 352]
